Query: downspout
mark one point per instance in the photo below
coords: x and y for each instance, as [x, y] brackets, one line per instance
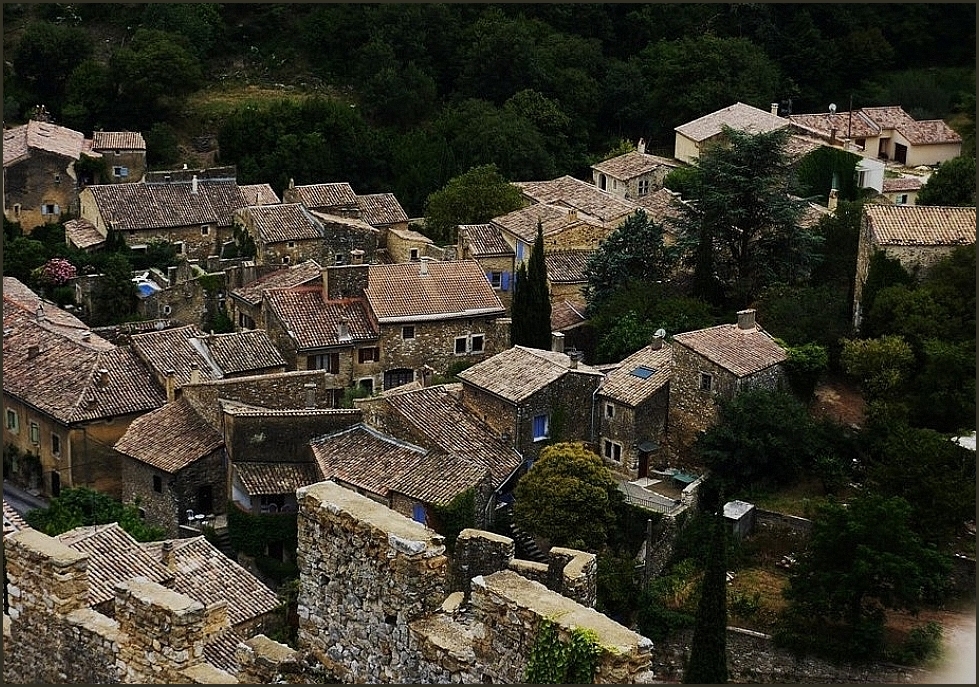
[593, 395]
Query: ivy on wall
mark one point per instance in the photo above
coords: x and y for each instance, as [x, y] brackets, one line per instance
[554, 662]
[456, 516]
[251, 534]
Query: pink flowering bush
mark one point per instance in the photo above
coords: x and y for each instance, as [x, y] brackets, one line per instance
[57, 272]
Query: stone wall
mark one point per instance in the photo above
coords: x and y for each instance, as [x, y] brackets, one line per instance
[281, 437]
[286, 390]
[31, 183]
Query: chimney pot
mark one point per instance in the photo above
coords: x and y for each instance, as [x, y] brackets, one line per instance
[656, 343]
[775, 109]
[423, 268]
[193, 184]
[166, 551]
[746, 319]
[343, 330]
[573, 360]
[356, 257]
[557, 342]
[103, 377]
[195, 373]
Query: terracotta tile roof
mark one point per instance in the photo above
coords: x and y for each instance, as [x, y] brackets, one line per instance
[438, 479]
[258, 194]
[410, 235]
[62, 379]
[437, 414]
[639, 376]
[929, 132]
[23, 300]
[220, 650]
[278, 223]
[264, 479]
[484, 240]
[314, 324]
[287, 277]
[337, 196]
[114, 556]
[859, 125]
[225, 197]
[12, 520]
[660, 205]
[742, 351]
[399, 293]
[247, 410]
[633, 164]
[238, 353]
[519, 372]
[566, 314]
[118, 140]
[892, 185]
[580, 195]
[381, 208]
[203, 572]
[365, 458]
[83, 234]
[921, 225]
[888, 116]
[522, 223]
[170, 438]
[798, 146]
[329, 218]
[738, 116]
[169, 349]
[567, 266]
[20, 140]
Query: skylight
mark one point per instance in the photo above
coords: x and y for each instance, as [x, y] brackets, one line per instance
[643, 372]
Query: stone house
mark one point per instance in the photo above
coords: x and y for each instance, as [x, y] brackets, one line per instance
[246, 301]
[902, 190]
[435, 314]
[123, 153]
[533, 397]
[337, 336]
[693, 137]
[916, 235]
[444, 449]
[193, 213]
[713, 365]
[633, 175]
[337, 198]
[408, 245]
[284, 234]
[888, 133]
[383, 212]
[566, 278]
[68, 395]
[346, 239]
[40, 182]
[83, 235]
[173, 462]
[485, 244]
[633, 404]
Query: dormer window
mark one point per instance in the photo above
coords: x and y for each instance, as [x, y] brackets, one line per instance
[643, 187]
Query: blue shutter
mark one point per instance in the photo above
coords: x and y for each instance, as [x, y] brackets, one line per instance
[519, 250]
[505, 281]
[418, 513]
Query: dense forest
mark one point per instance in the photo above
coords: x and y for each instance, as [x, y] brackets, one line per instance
[408, 96]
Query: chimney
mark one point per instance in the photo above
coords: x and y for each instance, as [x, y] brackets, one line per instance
[557, 342]
[833, 199]
[356, 257]
[258, 198]
[324, 274]
[33, 351]
[170, 384]
[641, 146]
[103, 378]
[195, 373]
[657, 342]
[171, 275]
[572, 214]
[775, 109]
[746, 319]
[309, 390]
[39, 312]
[166, 555]
[193, 184]
[423, 268]
[832, 136]
[86, 336]
[343, 330]
[292, 183]
[573, 360]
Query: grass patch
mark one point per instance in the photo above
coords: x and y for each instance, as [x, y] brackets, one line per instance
[754, 598]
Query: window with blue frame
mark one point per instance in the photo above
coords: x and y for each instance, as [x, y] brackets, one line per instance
[519, 251]
[418, 513]
[540, 427]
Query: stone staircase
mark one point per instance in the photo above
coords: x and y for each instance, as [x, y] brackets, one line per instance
[526, 545]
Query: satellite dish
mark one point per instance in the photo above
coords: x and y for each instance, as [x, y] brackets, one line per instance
[832, 108]
[660, 333]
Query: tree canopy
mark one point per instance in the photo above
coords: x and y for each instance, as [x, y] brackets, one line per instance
[531, 306]
[953, 183]
[474, 197]
[80, 506]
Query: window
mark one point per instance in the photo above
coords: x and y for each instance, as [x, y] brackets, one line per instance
[413, 253]
[286, 259]
[540, 427]
[179, 247]
[643, 187]
[861, 178]
[496, 280]
[471, 343]
[328, 362]
[520, 249]
[461, 342]
[477, 343]
[35, 433]
[13, 421]
[121, 172]
[612, 451]
[418, 513]
[55, 444]
[57, 178]
[245, 322]
[205, 230]
[369, 355]
[706, 381]
[408, 332]
[609, 410]
[902, 199]
[291, 244]
[157, 484]
[50, 209]
[338, 259]
[16, 209]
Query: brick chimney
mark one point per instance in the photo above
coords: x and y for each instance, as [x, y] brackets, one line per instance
[170, 384]
[557, 342]
[195, 373]
[746, 319]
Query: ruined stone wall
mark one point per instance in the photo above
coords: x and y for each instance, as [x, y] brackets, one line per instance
[282, 391]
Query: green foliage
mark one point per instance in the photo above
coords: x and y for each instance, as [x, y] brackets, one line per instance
[199, 24]
[817, 314]
[661, 612]
[707, 663]
[954, 183]
[474, 197]
[882, 272]
[555, 662]
[683, 180]
[456, 516]
[89, 98]
[804, 366]
[580, 493]
[251, 534]
[80, 506]
[162, 149]
[21, 256]
[826, 168]
[352, 393]
[531, 305]
[43, 58]
[862, 559]
[837, 255]
[923, 644]
[880, 365]
[114, 294]
[743, 232]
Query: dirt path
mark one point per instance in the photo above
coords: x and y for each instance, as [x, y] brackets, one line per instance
[958, 666]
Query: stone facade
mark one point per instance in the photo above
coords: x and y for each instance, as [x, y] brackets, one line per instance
[277, 437]
[43, 179]
[628, 427]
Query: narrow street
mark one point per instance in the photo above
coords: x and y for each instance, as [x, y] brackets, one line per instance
[21, 500]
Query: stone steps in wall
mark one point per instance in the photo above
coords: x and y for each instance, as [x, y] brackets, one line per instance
[526, 545]
[222, 540]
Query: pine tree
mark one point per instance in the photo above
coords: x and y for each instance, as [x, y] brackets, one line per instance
[531, 308]
[708, 652]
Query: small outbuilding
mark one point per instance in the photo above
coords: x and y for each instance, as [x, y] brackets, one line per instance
[741, 517]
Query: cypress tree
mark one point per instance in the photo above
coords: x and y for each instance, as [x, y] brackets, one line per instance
[708, 651]
[518, 307]
[532, 313]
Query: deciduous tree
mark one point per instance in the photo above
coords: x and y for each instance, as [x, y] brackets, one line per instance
[954, 183]
[474, 197]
